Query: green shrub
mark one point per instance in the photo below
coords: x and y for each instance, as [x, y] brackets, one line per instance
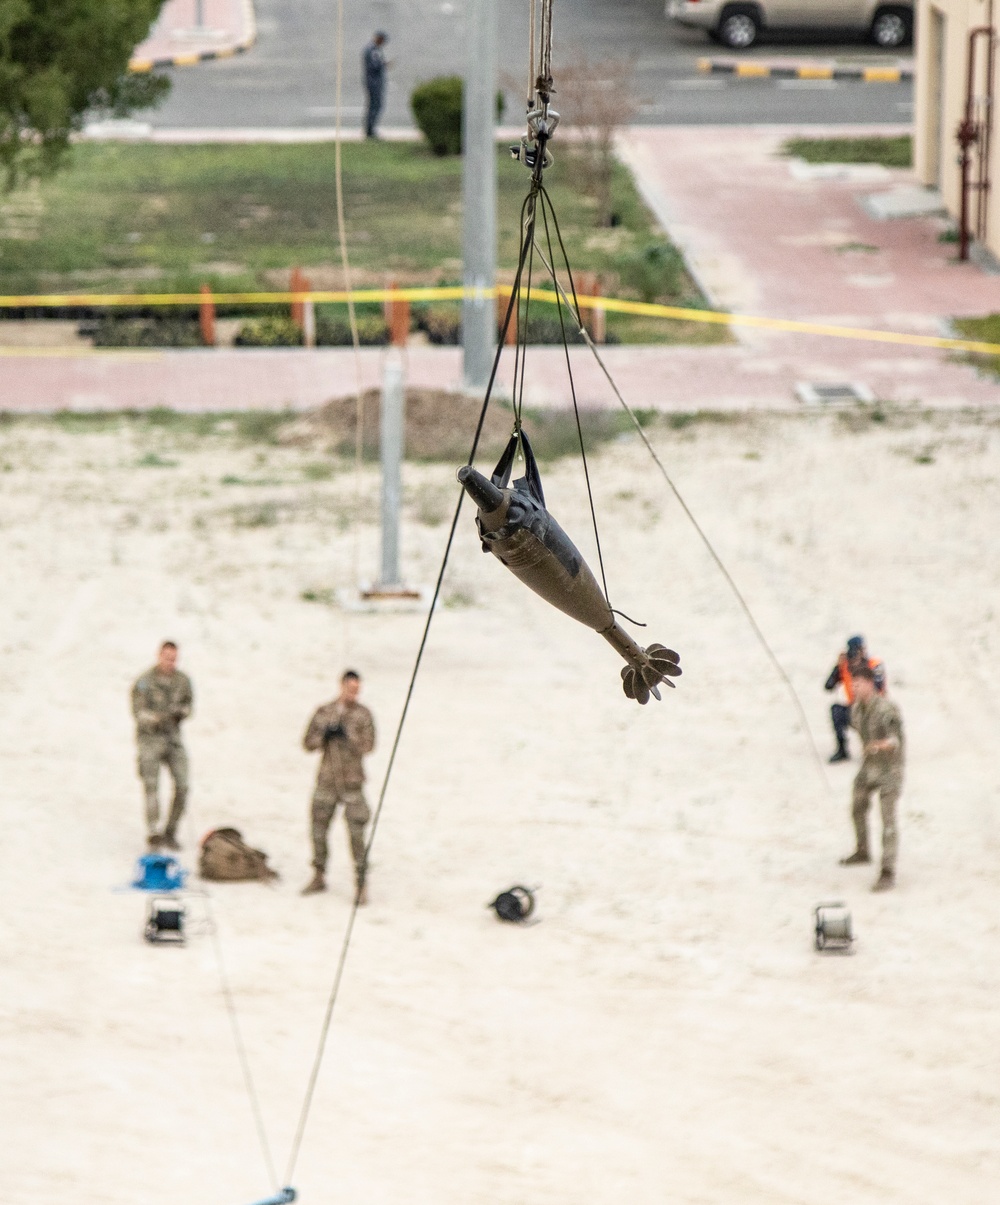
[437, 110]
[546, 328]
[441, 323]
[655, 270]
[336, 331]
[116, 331]
[269, 332]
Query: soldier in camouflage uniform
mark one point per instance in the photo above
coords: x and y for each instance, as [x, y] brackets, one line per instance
[161, 700]
[345, 731]
[880, 724]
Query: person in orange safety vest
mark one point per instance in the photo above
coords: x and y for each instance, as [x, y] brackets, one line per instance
[841, 676]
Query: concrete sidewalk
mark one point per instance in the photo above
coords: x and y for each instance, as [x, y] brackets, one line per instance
[764, 235]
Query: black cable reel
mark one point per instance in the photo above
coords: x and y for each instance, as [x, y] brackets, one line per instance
[514, 905]
[165, 921]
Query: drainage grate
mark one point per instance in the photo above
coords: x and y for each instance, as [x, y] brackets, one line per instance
[832, 392]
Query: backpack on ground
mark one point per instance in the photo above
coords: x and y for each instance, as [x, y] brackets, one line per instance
[226, 857]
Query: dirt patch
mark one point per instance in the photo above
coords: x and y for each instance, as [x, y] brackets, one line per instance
[439, 426]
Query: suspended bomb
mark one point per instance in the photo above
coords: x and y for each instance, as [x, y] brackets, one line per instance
[515, 526]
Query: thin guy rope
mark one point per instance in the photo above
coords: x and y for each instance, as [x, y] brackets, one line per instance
[744, 605]
[349, 931]
[351, 314]
[234, 1021]
[227, 993]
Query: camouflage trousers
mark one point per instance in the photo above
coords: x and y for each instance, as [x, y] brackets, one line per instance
[154, 752]
[889, 785]
[356, 813]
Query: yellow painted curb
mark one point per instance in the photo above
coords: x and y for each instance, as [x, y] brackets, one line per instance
[815, 73]
[753, 70]
[885, 75]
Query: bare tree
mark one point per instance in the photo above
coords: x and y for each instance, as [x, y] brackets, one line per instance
[595, 98]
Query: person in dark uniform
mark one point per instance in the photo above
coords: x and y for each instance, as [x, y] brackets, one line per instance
[374, 65]
[842, 676]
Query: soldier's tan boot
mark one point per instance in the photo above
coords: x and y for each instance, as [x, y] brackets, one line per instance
[316, 884]
[154, 840]
[860, 857]
[169, 841]
[885, 881]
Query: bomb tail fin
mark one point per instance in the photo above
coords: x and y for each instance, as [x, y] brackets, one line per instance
[643, 676]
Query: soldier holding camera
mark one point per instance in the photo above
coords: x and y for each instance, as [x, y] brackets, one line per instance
[161, 700]
[345, 731]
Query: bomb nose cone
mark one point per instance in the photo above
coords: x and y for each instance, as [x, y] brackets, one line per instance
[480, 489]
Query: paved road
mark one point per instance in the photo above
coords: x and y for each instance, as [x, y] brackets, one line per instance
[287, 79]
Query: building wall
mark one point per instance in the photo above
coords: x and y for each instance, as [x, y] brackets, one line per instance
[941, 54]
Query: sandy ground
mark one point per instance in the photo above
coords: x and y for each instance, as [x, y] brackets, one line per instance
[666, 1033]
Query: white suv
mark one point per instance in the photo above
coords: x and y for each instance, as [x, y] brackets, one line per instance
[738, 24]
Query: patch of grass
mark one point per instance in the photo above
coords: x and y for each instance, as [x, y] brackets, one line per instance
[634, 328]
[259, 426]
[263, 514]
[324, 596]
[867, 248]
[153, 460]
[320, 470]
[458, 598]
[679, 419]
[233, 479]
[887, 151]
[146, 218]
[980, 330]
[923, 458]
[86, 422]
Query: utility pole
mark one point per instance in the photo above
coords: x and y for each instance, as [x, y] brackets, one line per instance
[479, 192]
[392, 438]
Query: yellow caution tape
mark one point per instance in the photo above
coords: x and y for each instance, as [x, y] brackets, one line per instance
[610, 305]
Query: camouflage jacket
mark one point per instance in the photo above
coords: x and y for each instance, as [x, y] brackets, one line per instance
[160, 702]
[877, 720]
[341, 765]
